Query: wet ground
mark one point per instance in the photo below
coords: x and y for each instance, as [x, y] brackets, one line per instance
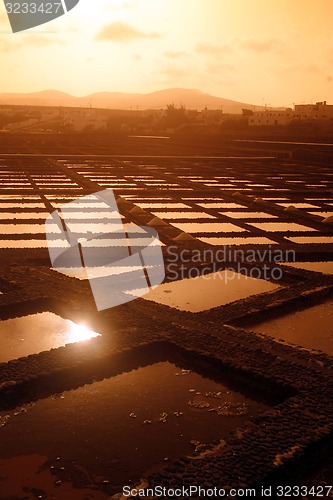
[121, 428]
[107, 415]
[38, 332]
[311, 328]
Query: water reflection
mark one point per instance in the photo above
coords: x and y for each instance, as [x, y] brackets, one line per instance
[32, 204]
[14, 472]
[39, 332]
[260, 240]
[281, 226]
[311, 328]
[153, 204]
[26, 244]
[211, 227]
[27, 229]
[311, 239]
[79, 333]
[248, 215]
[297, 205]
[320, 267]
[211, 290]
[120, 427]
[23, 215]
[183, 215]
[221, 205]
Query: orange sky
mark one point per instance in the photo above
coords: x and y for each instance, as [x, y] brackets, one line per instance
[274, 52]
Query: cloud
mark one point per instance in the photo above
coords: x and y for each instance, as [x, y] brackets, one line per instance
[260, 46]
[222, 67]
[173, 71]
[295, 70]
[122, 32]
[170, 54]
[6, 46]
[13, 43]
[304, 68]
[42, 40]
[4, 18]
[212, 49]
[173, 75]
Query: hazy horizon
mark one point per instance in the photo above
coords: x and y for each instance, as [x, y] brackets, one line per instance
[256, 52]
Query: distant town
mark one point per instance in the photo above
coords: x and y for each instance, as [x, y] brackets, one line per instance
[171, 119]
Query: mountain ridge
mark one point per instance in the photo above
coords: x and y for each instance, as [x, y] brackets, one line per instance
[190, 98]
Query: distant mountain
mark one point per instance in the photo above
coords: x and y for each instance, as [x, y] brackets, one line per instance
[191, 99]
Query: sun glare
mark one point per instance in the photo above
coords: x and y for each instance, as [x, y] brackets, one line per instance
[80, 333]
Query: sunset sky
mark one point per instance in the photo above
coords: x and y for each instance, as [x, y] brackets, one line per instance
[274, 52]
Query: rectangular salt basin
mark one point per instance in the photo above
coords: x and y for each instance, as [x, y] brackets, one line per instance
[152, 204]
[28, 228]
[23, 215]
[259, 185]
[38, 332]
[320, 267]
[97, 271]
[95, 228]
[59, 197]
[238, 241]
[121, 427]
[56, 184]
[151, 180]
[210, 227]
[221, 205]
[17, 197]
[297, 205]
[322, 214]
[183, 215]
[81, 206]
[217, 183]
[112, 184]
[30, 244]
[8, 204]
[273, 199]
[211, 290]
[204, 180]
[248, 215]
[311, 239]
[87, 215]
[114, 242]
[310, 328]
[281, 226]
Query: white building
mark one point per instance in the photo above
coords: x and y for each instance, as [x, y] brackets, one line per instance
[318, 111]
[271, 117]
[302, 112]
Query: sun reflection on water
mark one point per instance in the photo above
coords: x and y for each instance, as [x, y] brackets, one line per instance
[80, 333]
